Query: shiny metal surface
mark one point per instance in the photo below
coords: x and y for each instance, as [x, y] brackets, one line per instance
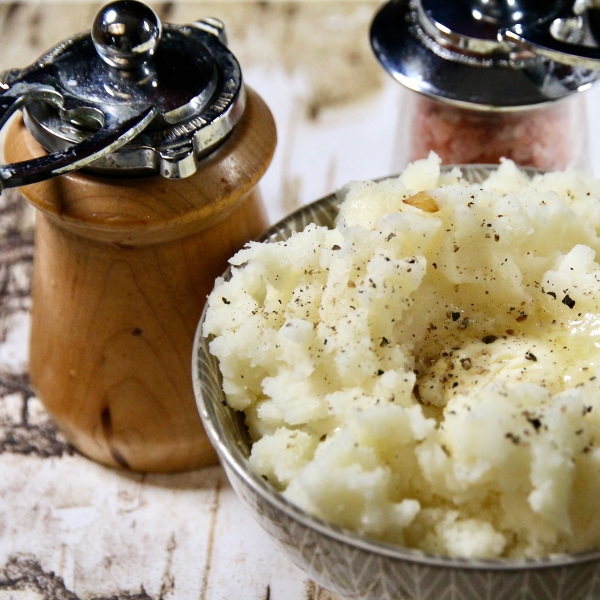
[570, 39]
[99, 144]
[473, 26]
[448, 67]
[126, 33]
[560, 30]
[184, 86]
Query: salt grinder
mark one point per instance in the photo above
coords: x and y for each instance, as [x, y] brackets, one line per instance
[495, 77]
[173, 146]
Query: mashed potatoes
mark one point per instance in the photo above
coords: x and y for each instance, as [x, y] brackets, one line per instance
[428, 372]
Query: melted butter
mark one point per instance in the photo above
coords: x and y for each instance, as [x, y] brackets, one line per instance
[587, 327]
[578, 344]
[556, 356]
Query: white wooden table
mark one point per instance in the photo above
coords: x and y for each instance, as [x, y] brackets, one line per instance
[74, 530]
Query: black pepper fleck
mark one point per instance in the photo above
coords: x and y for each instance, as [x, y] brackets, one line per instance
[466, 363]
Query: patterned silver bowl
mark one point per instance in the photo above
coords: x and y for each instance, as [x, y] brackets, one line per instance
[344, 562]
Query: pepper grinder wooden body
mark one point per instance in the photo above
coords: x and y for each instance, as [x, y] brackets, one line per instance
[121, 272]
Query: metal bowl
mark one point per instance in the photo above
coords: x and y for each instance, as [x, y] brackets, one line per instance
[344, 562]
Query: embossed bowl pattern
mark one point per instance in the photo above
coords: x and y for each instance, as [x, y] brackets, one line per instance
[342, 561]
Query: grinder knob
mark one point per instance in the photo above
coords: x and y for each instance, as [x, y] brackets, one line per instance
[126, 33]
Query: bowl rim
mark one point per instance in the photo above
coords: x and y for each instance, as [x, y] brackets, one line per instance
[230, 453]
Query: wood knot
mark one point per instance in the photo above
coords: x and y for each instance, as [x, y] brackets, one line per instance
[107, 429]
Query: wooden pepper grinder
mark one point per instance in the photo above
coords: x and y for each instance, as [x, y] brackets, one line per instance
[174, 146]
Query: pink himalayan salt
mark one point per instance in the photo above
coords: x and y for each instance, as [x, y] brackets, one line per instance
[546, 138]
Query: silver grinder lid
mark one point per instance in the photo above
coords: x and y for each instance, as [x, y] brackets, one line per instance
[498, 55]
[131, 97]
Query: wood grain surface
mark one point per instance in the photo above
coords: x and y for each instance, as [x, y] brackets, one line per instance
[121, 272]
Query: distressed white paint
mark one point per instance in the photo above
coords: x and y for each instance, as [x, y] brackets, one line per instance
[103, 532]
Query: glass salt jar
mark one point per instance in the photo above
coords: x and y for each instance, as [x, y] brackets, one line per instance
[494, 78]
